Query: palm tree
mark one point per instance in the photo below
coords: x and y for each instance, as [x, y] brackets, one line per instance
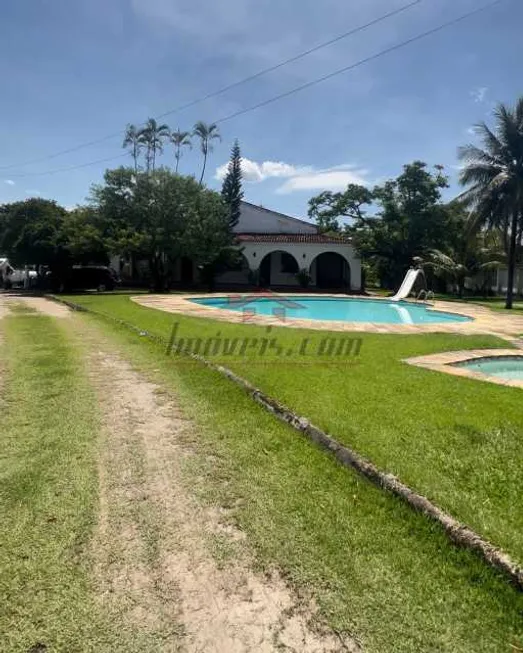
[153, 136]
[132, 141]
[206, 134]
[180, 139]
[495, 177]
[460, 265]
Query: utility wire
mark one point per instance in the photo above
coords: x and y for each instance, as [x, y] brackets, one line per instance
[220, 91]
[372, 57]
[68, 168]
[318, 80]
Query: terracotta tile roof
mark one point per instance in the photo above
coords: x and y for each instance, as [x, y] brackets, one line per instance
[291, 238]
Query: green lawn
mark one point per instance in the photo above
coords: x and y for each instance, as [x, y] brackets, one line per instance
[377, 569]
[48, 495]
[495, 303]
[455, 440]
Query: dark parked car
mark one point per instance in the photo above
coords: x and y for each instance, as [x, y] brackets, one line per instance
[84, 277]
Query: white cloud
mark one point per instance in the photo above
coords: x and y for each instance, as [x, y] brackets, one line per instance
[335, 178]
[479, 94]
[471, 131]
[299, 178]
[32, 192]
[257, 172]
[9, 182]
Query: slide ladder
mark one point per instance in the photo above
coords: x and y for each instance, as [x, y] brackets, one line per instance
[407, 285]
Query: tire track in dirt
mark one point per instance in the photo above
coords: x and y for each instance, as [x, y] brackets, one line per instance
[153, 562]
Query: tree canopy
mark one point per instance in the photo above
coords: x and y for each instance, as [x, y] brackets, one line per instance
[156, 216]
[161, 216]
[393, 223]
[32, 232]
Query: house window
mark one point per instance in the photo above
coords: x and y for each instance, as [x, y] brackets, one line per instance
[288, 264]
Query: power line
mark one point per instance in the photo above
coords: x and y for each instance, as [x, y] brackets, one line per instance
[229, 87]
[318, 80]
[68, 168]
[372, 57]
[336, 39]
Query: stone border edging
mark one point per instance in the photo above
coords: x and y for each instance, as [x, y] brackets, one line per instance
[446, 363]
[483, 320]
[457, 532]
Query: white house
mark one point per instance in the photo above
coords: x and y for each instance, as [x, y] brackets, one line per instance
[276, 247]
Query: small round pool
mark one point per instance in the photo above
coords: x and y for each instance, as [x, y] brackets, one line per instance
[503, 367]
[340, 309]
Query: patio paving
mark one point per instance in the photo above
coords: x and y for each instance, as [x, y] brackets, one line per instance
[484, 320]
[444, 363]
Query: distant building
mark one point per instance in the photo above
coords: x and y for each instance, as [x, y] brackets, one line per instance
[275, 248]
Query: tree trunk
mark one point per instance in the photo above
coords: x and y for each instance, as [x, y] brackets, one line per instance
[177, 156]
[461, 287]
[512, 260]
[203, 169]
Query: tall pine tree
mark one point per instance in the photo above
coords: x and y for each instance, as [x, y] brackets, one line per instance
[232, 191]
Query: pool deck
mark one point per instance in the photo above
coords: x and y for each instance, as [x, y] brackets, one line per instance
[484, 320]
[444, 363]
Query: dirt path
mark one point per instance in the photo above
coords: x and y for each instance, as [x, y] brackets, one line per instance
[163, 568]
[4, 309]
[155, 569]
[40, 304]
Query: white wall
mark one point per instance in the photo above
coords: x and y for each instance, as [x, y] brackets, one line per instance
[304, 253]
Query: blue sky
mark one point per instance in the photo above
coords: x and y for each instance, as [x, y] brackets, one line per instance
[73, 71]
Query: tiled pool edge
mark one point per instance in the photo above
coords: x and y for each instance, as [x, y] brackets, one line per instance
[445, 363]
[483, 321]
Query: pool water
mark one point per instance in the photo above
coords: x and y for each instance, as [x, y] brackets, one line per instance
[503, 367]
[333, 308]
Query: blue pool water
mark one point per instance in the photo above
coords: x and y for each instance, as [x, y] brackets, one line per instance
[333, 308]
[504, 367]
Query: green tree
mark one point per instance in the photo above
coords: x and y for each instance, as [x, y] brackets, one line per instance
[208, 238]
[391, 224]
[152, 136]
[180, 139]
[410, 220]
[133, 142]
[31, 233]
[471, 252]
[84, 234]
[232, 192]
[328, 208]
[207, 134]
[160, 217]
[494, 176]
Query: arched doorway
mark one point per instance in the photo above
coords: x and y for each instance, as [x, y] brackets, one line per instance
[330, 270]
[278, 268]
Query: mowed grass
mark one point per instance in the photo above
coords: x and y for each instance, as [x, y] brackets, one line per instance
[377, 570]
[48, 495]
[456, 440]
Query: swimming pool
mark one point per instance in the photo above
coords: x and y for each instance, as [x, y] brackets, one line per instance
[502, 367]
[341, 309]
